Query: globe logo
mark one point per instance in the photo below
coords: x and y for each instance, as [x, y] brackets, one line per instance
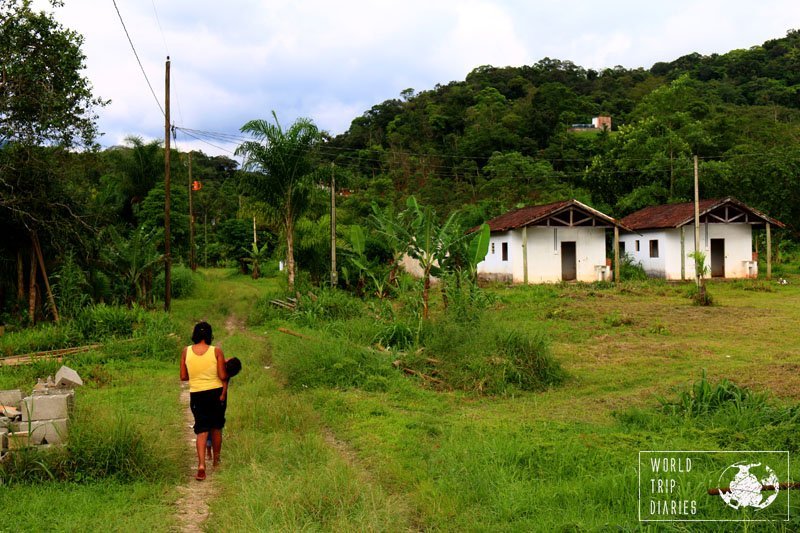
[750, 485]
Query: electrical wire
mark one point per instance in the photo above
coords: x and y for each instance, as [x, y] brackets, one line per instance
[137, 58]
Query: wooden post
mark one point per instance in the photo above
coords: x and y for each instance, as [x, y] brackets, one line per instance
[20, 277]
[167, 256]
[616, 254]
[769, 251]
[32, 289]
[334, 275]
[51, 300]
[683, 253]
[525, 254]
[192, 261]
[698, 280]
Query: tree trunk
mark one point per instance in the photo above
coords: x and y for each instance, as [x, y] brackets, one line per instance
[426, 287]
[51, 300]
[32, 290]
[20, 276]
[443, 287]
[290, 251]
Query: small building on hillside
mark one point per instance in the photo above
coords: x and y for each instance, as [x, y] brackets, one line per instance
[661, 238]
[603, 122]
[562, 241]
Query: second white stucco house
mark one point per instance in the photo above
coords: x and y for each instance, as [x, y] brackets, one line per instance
[661, 238]
[562, 241]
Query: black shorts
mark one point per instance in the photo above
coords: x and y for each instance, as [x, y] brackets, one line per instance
[208, 410]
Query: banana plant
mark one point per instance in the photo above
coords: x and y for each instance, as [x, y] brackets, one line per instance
[362, 264]
[430, 243]
[256, 257]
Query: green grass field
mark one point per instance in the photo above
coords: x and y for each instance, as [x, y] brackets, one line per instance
[387, 451]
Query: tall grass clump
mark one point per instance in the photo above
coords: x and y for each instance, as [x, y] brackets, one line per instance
[182, 282]
[489, 359]
[98, 448]
[311, 363]
[45, 336]
[71, 287]
[327, 304]
[704, 398]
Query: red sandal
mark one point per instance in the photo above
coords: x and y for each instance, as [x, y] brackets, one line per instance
[201, 474]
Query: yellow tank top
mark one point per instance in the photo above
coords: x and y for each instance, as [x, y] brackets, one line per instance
[202, 370]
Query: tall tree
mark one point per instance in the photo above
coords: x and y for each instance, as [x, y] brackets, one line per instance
[280, 166]
[45, 103]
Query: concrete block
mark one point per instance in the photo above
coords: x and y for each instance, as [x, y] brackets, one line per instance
[4, 422]
[18, 440]
[66, 377]
[49, 431]
[3, 439]
[46, 407]
[10, 397]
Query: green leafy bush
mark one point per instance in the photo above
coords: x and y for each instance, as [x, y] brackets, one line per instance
[182, 282]
[630, 270]
[327, 304]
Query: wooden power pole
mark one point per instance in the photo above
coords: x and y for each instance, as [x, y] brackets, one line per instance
[192, 260]
[334, 277]
[697, 269]
[167, 257]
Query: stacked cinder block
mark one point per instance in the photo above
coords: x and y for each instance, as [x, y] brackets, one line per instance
[42, 417]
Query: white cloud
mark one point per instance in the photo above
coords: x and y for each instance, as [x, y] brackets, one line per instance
[331, 61]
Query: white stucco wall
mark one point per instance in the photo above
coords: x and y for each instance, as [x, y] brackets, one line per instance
[544, 254]
[738, 250]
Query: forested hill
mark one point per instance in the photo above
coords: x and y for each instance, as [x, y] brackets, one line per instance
[501, 136]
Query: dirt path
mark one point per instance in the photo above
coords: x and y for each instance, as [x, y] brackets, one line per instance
[195, 495]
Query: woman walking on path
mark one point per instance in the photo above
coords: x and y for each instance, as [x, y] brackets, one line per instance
[203, 366]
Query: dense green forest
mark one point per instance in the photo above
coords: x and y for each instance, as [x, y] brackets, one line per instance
[93, 219]
[501, 136]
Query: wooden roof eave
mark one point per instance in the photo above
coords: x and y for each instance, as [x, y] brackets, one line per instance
[729, 200]
[580, 205]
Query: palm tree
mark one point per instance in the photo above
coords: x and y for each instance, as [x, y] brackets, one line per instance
[280, 168]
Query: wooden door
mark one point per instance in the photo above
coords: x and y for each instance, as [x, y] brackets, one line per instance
[569, 267]
[718, 258]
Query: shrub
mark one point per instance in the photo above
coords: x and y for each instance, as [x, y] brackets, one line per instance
[182, 282]
[70, 287]
[327, 304]
[102, 321]
[630, 270]
[488, 359]
[338, 364]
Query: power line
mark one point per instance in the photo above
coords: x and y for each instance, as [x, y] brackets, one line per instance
[137, 58]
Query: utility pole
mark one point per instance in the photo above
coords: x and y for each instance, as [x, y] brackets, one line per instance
[697, 268]
[334, 280]
[192, 262]
[167, 257]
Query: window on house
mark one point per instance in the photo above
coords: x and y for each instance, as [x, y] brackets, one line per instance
[505, 251]
[622, 248]
[637, 245]
[654, 248]
[492, 248]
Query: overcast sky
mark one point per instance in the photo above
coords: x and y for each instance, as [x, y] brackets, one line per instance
[332, 60]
